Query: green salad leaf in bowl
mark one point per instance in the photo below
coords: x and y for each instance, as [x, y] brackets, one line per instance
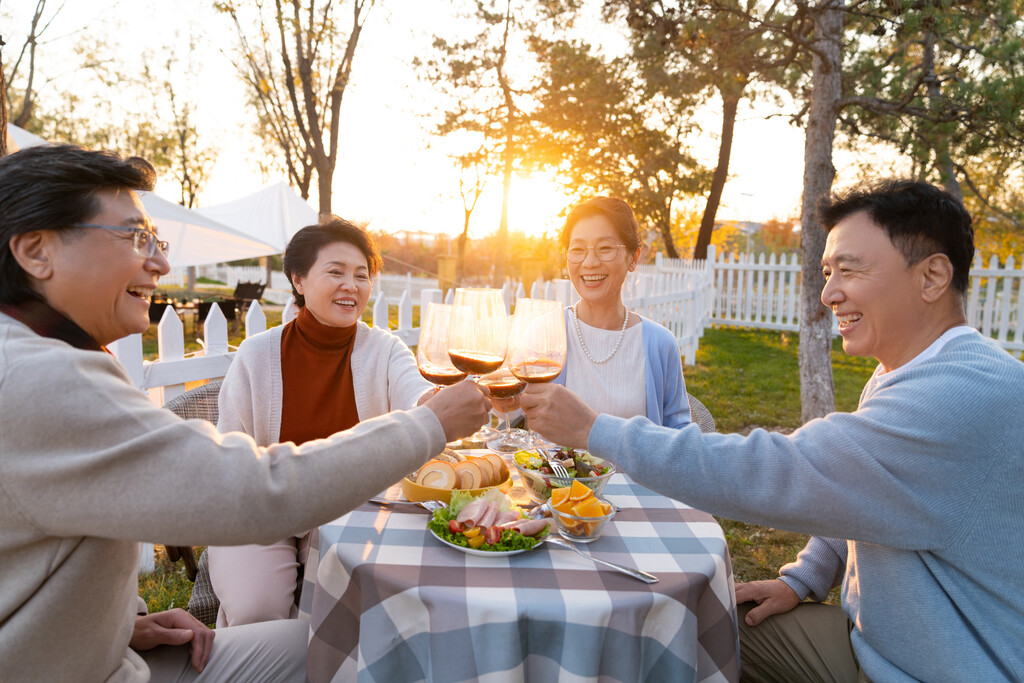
[538, 479]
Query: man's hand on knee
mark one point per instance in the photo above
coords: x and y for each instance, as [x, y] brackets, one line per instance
[174, 627]
[772, 597]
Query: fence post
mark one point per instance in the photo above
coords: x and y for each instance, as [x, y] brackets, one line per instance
[215, 329]
[128, 352]
[255, 320]
[427, 297]
[170, 342]
[564, 291]
[380, 311]
[405, 312]
[709, 291]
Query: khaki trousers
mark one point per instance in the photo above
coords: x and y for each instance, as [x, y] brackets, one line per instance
[271, 652]
[808, 643]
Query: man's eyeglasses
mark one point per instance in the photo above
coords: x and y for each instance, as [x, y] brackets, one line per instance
[603, 252]
[144, 241]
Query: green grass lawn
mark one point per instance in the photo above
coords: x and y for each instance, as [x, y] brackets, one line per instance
[746, 378]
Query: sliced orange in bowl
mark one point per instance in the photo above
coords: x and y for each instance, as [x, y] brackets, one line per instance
[565, 507]
[588, 507]
[559, 496]
[578, 491]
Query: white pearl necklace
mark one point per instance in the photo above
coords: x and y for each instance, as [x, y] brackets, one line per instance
[583, 344]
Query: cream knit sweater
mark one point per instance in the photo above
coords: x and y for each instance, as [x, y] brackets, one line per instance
[89, 467]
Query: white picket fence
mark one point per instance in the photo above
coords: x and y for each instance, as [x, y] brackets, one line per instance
[756, 291]
[995, 302]
[763, 292]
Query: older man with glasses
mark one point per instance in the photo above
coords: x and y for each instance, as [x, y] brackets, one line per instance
[89, 467]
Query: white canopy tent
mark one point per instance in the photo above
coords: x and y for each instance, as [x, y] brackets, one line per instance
[272, 215]
[18, 138]
[197, 240]
[194, 239]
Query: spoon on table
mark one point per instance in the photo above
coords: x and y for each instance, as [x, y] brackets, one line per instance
[555, 539]
[544, 510]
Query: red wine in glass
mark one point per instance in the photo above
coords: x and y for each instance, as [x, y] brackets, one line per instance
[503, 384]
[502, 387]
[537, 370]
[475, 363]
[441, 375]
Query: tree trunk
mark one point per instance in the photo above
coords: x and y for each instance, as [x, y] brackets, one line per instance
[268, 269]
[664, 219]
[501, 266]
[3, 103]
[943, 162]
[323, 188]
[817, 394]
[730, 103]
[460, 261]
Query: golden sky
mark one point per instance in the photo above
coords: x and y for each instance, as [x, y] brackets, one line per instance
[392, 173]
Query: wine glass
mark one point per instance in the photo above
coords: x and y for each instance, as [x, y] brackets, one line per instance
[503, 384]
[536, 345]
[432, 348]
[478, 331]
[478, 337]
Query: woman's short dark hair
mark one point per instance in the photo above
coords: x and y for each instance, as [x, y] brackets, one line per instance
[52, 187]
[920, 220]
[618, 213]
[304, 248]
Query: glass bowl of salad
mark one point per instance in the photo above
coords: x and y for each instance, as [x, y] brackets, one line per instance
[539, 480]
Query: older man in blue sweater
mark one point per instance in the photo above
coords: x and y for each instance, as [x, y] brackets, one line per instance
[925, 478]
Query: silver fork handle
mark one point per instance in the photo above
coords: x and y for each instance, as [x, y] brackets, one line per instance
[635, 573]
[561, 475]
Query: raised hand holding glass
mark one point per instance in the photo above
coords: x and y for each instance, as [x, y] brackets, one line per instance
[478, 337]
[536, 343]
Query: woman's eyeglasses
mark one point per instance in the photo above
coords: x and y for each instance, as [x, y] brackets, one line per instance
[603, 252]
[144, 241]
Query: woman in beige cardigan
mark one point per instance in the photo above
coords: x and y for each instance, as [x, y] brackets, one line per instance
[89, 467]
[322, 372]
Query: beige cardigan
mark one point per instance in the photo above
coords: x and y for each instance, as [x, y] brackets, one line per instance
[89, 467]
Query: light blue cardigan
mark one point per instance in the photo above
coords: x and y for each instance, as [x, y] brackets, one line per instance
[666, 390]
[927, 479]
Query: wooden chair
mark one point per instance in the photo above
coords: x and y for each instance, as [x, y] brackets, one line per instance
[199, 403]
[245, 293]
[700, 414]
[156, 310]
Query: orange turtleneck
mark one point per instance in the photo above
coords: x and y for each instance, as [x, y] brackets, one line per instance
[318, 398]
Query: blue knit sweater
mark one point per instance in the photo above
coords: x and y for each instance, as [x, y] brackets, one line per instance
[926, 479]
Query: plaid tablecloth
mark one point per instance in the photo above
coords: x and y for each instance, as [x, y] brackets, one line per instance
[389, 603]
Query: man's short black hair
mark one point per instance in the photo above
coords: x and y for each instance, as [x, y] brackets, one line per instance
[52, 187]
[919, 218]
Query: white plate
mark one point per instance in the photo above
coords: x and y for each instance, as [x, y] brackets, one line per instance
[484, 553]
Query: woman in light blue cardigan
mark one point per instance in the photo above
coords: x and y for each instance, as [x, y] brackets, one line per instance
[607, 343]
